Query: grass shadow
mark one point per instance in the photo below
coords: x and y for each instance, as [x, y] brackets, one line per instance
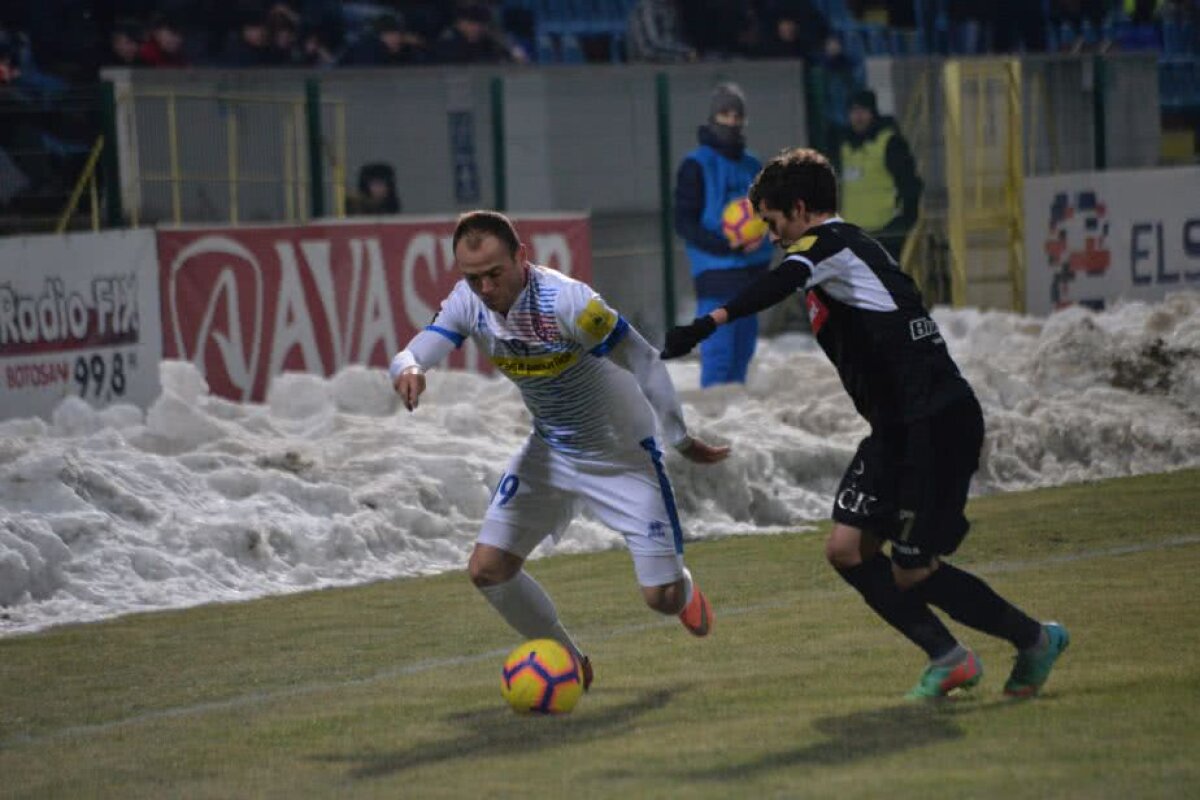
[497, 731]
[854, 737]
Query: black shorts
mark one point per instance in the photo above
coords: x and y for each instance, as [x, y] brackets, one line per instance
[908, 483]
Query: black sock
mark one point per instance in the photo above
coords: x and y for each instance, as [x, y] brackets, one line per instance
[902, 610]
[972, 602]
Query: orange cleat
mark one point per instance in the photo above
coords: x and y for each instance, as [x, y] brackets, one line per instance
[697, 616]
[585, 672]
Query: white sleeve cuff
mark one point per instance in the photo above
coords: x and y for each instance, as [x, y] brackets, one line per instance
[404, 360]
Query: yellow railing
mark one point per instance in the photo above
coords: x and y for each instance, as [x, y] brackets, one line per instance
[984, 178]
[86, 182]
[290, 173]
[972, 250]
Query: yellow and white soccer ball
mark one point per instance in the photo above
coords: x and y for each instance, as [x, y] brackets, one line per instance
[741, 226]
[541, 677]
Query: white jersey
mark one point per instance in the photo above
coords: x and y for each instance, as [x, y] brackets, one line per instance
[551, 344]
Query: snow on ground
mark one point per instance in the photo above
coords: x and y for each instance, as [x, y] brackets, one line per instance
[328, 483]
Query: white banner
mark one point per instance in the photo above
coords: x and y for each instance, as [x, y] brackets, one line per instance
[79, 314]
[1095, 237]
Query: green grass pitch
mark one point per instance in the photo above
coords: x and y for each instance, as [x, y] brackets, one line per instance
[392, 689]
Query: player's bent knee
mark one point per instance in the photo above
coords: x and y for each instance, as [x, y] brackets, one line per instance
[665, 599]
[841, 553]
[490, 566]
[906, 579]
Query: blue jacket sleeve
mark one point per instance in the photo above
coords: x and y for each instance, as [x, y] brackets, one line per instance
[689, 210]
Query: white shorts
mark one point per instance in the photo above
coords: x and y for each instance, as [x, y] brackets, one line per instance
[538, 494]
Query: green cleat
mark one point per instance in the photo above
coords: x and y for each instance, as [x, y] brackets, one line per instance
[941, 681]
[1032, 668]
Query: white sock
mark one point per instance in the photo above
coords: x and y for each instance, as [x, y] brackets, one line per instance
[687, 587]
[526, 607]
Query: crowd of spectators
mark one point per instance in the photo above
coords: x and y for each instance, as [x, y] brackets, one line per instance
[49, 46]
[73, 39]
[821, 30]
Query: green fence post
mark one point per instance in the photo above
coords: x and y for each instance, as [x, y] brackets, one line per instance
[110, 162]
[499, 165]
[663, 97]
[316, 171]
[1099, 111]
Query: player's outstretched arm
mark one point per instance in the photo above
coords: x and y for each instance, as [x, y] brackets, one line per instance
[635, 354]
[774, 287]
[407, 371]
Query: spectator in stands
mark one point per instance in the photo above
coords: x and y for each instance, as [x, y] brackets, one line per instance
[720, 29]
[716, 173]
[23, 167]
[316, 48]
[124, 45]
[164, 47]
[796, 29]
[376, 191]
[389, 45]
[470, 39]
[655, 33]
[327, 17]
[282, 36]
[879, 186]
[1078, 23]
[250, 46]
[65, 39]
[9, 69]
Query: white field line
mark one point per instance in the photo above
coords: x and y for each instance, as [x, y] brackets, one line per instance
[254, 698]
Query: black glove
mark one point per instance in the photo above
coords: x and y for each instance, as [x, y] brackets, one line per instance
[682, 338]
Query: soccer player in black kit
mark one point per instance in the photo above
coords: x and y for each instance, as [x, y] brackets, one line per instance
[908, 482]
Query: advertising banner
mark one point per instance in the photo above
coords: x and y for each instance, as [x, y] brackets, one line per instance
[1095, 237]
[250, 302]
[79, 314]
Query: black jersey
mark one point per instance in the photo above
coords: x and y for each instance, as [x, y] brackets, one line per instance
[869, 319]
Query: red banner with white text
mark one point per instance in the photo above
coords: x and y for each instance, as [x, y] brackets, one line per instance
[250, 302]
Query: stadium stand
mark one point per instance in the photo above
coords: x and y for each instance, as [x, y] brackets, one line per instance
[51, 52]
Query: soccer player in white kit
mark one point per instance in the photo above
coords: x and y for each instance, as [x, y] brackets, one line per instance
[594, 388]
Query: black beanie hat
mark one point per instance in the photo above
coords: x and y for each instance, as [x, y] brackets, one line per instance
[865, 98]
[727, 97]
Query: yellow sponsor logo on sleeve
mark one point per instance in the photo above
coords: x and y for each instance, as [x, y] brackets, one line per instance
[597, 319]
[543, 366]
[802, 244]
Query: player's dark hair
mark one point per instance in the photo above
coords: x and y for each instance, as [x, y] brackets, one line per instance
[474, 224]
[797, 174]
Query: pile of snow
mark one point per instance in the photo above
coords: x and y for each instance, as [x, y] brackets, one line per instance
[329, 483]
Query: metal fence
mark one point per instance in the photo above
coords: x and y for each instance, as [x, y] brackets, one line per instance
[217, 147]
[1072, 113]
[48, 140]
[230, 157]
